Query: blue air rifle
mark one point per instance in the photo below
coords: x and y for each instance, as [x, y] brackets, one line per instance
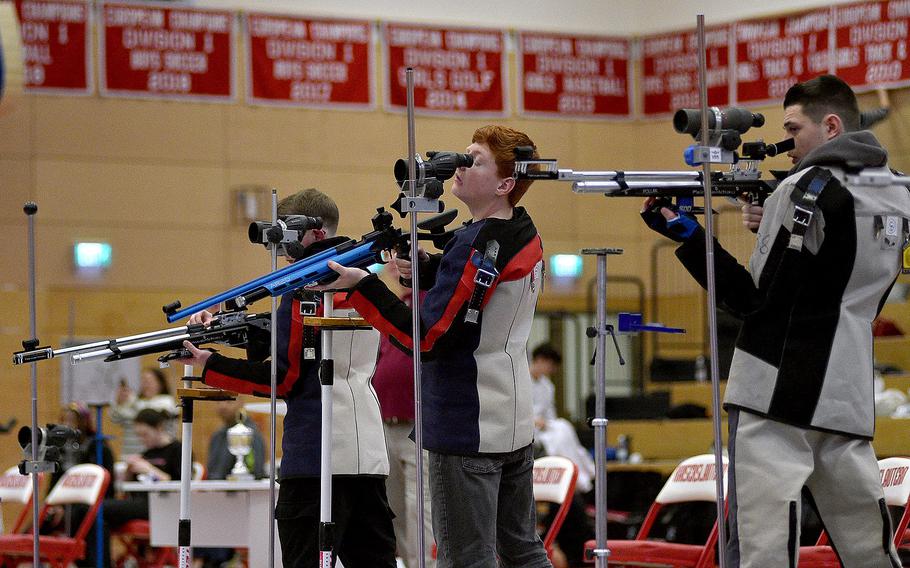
[315, 268]
[236, 327]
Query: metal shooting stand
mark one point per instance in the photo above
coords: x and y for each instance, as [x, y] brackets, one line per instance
[628, 323]
[328, 323]
[412, 204]
[186, 397]
[34, 467]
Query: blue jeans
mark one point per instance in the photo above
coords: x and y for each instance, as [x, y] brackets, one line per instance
[483, 507]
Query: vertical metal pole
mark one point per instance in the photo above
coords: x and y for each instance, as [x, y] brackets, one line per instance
[99, 459]
[326, 381]
[712, 297]
[184, 525]
[31, 209]
[415, 321]
[601, 552]
[273, 387]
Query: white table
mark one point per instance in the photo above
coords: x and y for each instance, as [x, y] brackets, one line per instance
[231, 514]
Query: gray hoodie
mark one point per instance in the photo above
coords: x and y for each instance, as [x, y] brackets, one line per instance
[849, 150]
[804, 353]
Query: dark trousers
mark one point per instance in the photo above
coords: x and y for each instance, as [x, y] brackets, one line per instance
[363, 533]
[483, 511]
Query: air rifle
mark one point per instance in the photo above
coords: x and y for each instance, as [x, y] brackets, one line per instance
[236, 329]
[741, 180]
[738, 181]
[312, 269]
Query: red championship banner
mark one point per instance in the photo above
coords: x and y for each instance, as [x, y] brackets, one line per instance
[455, 70]
[774, 54]
[56, 45]
[316, 63]
[670, 70]
[154, 51]
[578, 76]
[871, 44]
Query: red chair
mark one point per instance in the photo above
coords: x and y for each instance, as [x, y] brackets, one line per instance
[554, 482]
[81, 484]
[693, 480]
[17, 488]
[135, 536]
[896, 485]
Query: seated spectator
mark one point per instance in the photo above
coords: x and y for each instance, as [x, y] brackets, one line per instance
[557, 435]
[159, 462]
[154, 393]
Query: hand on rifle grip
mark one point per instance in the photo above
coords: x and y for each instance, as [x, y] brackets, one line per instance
[199, 356]
[403, 264]
[663, 217]
[752, 214]
[203, 317]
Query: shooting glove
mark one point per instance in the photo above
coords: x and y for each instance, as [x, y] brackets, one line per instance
[681, 229]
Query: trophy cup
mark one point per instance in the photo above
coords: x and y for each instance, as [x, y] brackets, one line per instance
[240, 444]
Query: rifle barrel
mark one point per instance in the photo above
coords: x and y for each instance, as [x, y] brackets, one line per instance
[248, 287]
[127, 349]
[619, 188]
[49, 353]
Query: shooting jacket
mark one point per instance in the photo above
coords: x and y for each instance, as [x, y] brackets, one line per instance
[804, 353]
[358, 442]
[476, 386]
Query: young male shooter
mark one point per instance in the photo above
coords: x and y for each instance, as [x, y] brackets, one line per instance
[476, 318]
[364, 536]
[799, 394]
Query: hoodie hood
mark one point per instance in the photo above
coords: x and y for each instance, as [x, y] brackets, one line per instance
[852, 149]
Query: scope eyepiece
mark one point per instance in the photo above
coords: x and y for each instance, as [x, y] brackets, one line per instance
[760, 150]
[780, 147]
[439, 166]
[688, 120]
[275, 233]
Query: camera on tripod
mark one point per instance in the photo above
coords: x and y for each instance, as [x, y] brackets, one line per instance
[430, 173]
[52, 441]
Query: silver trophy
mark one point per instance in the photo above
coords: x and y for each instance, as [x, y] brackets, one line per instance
[240, 444]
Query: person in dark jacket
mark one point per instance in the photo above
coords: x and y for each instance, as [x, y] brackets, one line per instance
[800, 396]
[363, 534]
[476, 386]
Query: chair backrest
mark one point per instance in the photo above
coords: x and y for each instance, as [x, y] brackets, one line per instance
[17, 488]
[554, 479]
[199, 471]
[84, 483]
[896, 485]
[895, 481]
[554, 482]
[81, 483]
[693, 480]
